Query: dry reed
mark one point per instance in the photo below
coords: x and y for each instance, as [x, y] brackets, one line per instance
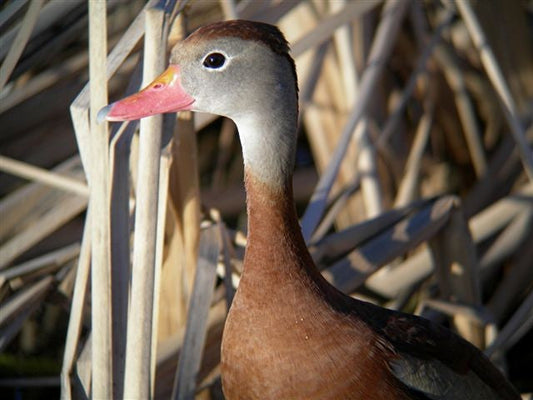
[414, 174]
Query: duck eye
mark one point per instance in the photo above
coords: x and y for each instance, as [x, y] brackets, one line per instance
[214, 60]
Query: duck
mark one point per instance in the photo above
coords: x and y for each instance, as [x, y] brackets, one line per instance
[289, 334]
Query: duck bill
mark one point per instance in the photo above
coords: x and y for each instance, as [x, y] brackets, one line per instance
[165, 94]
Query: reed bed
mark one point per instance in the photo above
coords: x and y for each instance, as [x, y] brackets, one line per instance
[121, 245]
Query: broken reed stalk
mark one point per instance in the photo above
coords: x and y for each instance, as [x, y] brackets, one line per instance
[501, 231]
[121, 209]
[368, 171]
[500, 85]
[457, 271]
[21, 299]
[79, 113]
[518, 325]
[363, 155]
[45, 80]
[30, 172]
[407, 189]
[51, 13]
[15, 51]
[507, 243]
[322, 31]
[27, 298]
[392, 15]
[310, 84]
[344, 45]
[102, 362]
[325, 98]
[41, 264]
[75, 322]
[420, 69]
[9, 10]
[45, 217]
[186, 200]
[348, 273]
[137, 380]
[197, 315]
[500, 213]
[164, 169]
[8, 332]
[33, 212]
[512, 286]
[229, 9]
[484, 225]
[465, 108]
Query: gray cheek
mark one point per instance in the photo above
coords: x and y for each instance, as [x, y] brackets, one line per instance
[192, 83]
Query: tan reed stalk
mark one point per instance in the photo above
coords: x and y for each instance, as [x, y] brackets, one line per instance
[76, 310]
[15, 51]
[498, 81]
[102, 361]
[137, 379]
[27, 171]
[392, 15]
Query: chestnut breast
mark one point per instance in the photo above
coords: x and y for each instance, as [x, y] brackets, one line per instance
[282, 338]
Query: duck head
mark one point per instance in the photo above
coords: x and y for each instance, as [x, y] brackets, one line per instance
[230, 68]
[238, 69]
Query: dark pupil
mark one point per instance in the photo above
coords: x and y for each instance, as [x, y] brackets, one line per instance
[214, 60]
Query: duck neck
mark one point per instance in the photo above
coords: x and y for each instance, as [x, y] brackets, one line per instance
[268, 146]
[276, 251]
[268, 142]
[275, 243]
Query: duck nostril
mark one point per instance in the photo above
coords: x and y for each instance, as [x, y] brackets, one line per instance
[158, 86]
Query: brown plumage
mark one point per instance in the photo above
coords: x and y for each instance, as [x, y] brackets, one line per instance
[290, 334]
[288, 326]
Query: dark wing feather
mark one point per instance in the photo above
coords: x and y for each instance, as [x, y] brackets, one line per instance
[426, 364]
